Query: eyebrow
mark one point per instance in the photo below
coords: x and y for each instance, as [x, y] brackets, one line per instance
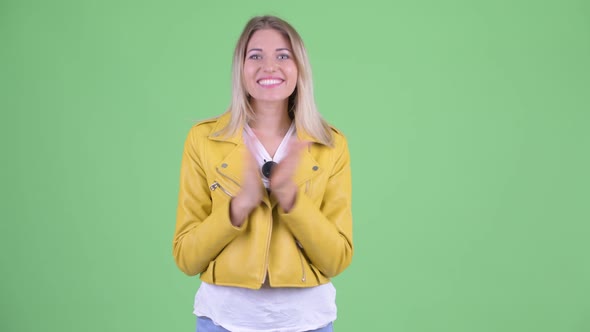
[260, 50]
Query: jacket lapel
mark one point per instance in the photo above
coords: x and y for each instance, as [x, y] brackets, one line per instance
[307, 169]
[232, 165]
[230, 168]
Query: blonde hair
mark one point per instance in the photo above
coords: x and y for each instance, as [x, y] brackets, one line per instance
[301, 104]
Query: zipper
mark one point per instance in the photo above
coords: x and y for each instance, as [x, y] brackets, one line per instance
[216, 185]
[303, 278]
[267, 251]
[228, 177]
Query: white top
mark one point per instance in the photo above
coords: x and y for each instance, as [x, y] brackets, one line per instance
[267, 309]
[280, 309]
[260, 153]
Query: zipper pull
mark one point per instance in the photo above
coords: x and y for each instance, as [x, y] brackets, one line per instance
[216, 185]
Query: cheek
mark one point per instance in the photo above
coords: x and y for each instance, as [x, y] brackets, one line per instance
[293, 72]
[293, 75]
[249, 76]
[248, 72]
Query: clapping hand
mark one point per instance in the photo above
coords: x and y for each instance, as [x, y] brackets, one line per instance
[250, 194]
[282, 185]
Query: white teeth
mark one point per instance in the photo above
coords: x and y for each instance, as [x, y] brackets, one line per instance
[269, 82]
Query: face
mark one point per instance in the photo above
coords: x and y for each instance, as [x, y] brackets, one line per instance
[270, 72]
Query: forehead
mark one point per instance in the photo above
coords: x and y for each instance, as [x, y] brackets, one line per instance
[268, 38]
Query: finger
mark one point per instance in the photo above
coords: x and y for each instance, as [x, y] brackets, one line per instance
[295, 149]
[249, 160]
[297, 146]
[286, 169]
[251, 181]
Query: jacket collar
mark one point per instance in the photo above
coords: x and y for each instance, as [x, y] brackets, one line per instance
[236, 137]
[232, 164]
[222, 122]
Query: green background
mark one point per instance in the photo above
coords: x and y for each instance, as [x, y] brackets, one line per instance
[468, 124]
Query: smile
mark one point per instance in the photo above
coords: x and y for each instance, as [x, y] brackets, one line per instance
[270, 82]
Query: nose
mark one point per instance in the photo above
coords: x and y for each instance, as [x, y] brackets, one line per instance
[269, 66]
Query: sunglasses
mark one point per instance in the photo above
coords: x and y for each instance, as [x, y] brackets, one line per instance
[267, 168]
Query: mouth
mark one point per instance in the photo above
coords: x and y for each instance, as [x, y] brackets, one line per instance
[269, 82]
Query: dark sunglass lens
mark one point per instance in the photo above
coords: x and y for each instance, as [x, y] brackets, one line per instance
[267, 168]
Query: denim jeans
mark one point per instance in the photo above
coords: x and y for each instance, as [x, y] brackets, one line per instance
[205, 324]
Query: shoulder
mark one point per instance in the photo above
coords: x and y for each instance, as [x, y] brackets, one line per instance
[204, 127]
[199, 132]
[207, 127]
[338, 138]
[337, 153]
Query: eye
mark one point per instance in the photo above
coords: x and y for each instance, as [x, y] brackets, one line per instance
[255, 57]
[283, 57]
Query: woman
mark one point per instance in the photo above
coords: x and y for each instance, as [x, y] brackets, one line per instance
[264, 211]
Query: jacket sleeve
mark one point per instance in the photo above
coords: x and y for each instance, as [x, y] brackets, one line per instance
[325, 232]
[200, 235]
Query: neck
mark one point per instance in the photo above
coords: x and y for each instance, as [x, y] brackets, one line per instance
[271, 118]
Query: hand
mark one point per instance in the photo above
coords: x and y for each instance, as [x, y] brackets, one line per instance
[282, 185]
[250, 194]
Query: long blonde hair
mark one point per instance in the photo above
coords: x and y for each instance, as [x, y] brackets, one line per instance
[301, 104]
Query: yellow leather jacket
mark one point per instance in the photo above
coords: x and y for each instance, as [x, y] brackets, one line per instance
[301, 248]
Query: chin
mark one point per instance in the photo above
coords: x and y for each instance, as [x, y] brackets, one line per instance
[269, 99]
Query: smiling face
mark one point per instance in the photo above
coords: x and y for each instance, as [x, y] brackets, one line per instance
[270, 72]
